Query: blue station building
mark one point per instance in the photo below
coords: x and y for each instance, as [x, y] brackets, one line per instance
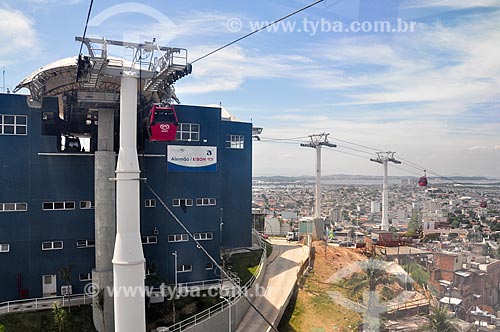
[47, 196]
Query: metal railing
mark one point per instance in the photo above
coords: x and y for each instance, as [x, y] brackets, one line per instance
[42, 303]
[204, 284]
[221, 306]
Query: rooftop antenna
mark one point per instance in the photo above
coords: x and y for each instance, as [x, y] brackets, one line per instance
[3, 73]
[383, 158]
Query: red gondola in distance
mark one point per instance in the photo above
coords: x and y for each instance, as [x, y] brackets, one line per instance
[422, 182]
[163, 123]
[483, 204]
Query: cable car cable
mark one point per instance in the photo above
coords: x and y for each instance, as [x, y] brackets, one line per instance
[86, 25]
[199, 246]
[79, 61]
[430, 171]
[282, 142]
[346, 147]
[260, 29]
[285, 139]
[345, 152]
[409, 163]
[360, 145]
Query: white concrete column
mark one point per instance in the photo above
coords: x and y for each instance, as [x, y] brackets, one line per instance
[105, 218]
[128, 259]
[385, 200]
[317, 208]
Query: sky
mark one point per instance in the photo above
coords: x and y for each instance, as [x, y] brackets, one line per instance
[428, 88]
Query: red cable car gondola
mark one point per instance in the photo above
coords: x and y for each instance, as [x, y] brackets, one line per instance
[422, 182]
[483, 204]
[162, 123]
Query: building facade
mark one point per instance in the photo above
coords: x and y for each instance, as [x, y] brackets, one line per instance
[47, 198]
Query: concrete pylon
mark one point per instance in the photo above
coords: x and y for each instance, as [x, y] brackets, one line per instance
[105, 216]
[128, 258]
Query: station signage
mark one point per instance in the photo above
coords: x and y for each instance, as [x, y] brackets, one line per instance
[181, 158]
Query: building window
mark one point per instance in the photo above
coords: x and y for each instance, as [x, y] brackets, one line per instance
[85, 276]
[188, 132]
[10, 207]
[151, 239]
[203, 236]
[209, 266]
[50, 206]
[184, 268]
[85, 243]
[85, 205]
[4, 247]
[235, 142]
[205, 201]
[150, 203]
[13, 124]
[52, 245]
[177, 238]
[176, 202]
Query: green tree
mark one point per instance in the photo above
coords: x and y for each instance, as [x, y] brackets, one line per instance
[60, 316]
[2, 328]
[415, 226]
[373, 275]
[418, 273]
[440, 320]
[65, 274]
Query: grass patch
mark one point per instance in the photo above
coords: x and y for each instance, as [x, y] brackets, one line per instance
[162, 314]
[80, 319]
[245, 264]
[312, 309]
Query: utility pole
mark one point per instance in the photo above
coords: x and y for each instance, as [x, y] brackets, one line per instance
[384, 158]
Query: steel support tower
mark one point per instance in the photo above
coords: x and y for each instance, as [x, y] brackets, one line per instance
[384, 158]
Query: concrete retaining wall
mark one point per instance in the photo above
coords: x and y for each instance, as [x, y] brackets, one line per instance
[290, 295]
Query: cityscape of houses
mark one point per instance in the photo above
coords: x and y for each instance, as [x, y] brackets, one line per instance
[450, 230]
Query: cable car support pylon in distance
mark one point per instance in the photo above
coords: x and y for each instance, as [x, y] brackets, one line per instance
[316, 142]
[384, 158]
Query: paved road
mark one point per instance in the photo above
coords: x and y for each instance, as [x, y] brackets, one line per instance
[279, 280]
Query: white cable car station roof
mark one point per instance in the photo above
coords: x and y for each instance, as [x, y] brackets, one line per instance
[159, 67]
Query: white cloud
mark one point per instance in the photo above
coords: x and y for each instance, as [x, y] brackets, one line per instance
[53, 2]
[452, 4]
[231, 67]
[17, 35]
[165, 27]
[455, 65]
[430, 143]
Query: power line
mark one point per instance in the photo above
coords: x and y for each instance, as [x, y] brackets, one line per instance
[259, 29]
